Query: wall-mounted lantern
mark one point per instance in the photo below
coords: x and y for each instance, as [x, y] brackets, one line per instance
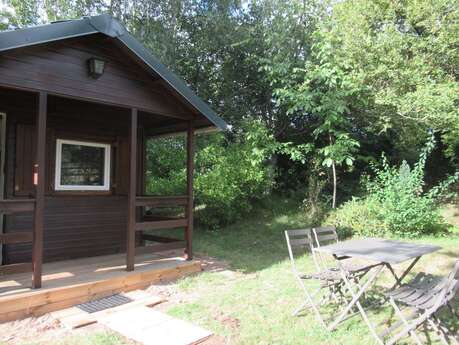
[96, 67]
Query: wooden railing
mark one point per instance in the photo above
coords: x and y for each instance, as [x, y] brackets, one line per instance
[157, 223]
[9, 207]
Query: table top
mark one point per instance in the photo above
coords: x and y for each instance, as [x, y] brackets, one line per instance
[378, 250]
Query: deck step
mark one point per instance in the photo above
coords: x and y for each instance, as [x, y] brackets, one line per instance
[67, 285]
[74, 317]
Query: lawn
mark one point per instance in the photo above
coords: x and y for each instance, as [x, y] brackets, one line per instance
[261, 294]
[251, 301]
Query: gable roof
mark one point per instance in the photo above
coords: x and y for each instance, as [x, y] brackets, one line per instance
[109, 26]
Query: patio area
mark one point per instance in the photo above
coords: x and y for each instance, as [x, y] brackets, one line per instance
[71, 282]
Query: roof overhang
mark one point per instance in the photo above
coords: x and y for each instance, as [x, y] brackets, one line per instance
[109, 26]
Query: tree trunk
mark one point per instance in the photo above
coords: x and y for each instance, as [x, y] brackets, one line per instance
[334, 185]
[334, 175]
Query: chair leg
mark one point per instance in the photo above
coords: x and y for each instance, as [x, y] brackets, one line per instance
[405, 322]
[439, 332]
[452, 310]
[310, 304]
[445, 332]
[305, 304]
[301, 307]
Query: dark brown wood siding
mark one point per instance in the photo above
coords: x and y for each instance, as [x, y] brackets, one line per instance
[76, 224]
[73, 227]
[61, 68]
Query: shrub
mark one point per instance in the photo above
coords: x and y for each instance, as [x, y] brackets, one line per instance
[395, 201]
[358, 216]
[229, 175]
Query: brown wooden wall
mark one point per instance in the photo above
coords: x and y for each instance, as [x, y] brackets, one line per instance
[76, 224]
[79, 224]
[61, 68]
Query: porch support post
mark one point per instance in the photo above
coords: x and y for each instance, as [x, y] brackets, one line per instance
[189, 188]
[132, 193]
[39, 180]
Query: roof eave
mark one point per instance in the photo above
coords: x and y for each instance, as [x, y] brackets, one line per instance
[109, 26]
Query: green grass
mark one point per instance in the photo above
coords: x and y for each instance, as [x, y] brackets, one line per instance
[253, 305]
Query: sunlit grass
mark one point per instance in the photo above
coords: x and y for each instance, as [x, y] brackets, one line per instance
[262, 293]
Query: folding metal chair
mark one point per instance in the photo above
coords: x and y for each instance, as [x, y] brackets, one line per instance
[327, 235]
[300, 242]
[426, 295]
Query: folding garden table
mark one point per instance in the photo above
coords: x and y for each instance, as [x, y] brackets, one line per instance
[385, 252]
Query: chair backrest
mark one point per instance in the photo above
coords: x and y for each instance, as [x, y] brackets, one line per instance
[325, 235]
[322, 236]
[446, 290]
[453, 279]
[298, 241]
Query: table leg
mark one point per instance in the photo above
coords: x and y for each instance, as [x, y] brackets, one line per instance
[400, 279]
[355, 300]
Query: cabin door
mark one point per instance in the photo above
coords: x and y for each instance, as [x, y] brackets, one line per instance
[2, 173]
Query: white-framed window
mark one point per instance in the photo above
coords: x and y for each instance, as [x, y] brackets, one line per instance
[82, 166]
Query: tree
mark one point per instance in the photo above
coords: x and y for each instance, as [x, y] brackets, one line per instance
[325, 92]
[408, 50]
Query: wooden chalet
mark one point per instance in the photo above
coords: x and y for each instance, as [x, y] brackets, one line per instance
[78, 99]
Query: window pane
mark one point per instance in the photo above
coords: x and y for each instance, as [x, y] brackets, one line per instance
[82, 165]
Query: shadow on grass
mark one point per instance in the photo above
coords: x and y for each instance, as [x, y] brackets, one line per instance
[253, 244]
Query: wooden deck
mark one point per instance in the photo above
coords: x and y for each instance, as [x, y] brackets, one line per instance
[67, 283]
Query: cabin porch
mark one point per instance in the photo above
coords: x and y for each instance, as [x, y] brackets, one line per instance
[44, 223]
[71, 282]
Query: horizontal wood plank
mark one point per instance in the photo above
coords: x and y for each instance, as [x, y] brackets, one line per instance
[160, 247]
[97, 285]
[161, 224]
[17, 206]
[161, 239]
[18, 237]
[162, 201]
[15, 268]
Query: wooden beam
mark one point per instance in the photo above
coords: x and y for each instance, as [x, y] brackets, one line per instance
[40, 164]
[162, 224]
[162, 201]
[189, 188]
[100, 99]
[160, 239]
[16, 237]
[15, 268]
[160, 247]
[16, 206]
[132, 193]
[176, 128]
[141, 170]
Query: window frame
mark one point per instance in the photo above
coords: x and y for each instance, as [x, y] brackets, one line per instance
[107, 166]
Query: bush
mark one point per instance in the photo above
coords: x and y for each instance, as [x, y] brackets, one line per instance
[358, 216]
[229, 174]
[395, 201]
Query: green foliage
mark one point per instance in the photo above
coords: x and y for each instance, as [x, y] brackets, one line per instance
[358, 217]
[395, 201]
[230, 174]
[166, 162]
[335, 82]
[404, 53]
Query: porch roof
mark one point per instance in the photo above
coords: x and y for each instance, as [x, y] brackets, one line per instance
[109, 26]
